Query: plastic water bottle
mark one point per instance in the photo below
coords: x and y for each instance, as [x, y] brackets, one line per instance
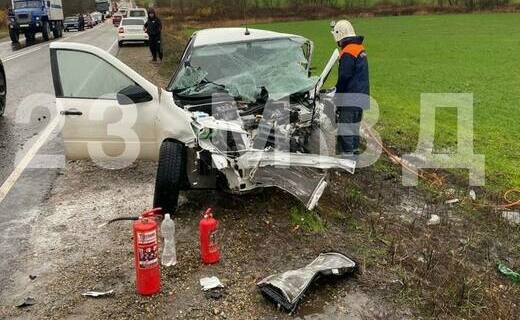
[169, 254]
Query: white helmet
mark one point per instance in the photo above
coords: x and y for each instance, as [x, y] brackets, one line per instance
[342, 29]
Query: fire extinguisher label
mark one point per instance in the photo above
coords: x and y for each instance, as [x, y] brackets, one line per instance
[147, 237]
[148, 257]
[148, 250]
[213, 241]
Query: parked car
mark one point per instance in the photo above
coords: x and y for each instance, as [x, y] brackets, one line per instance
[97, 17]
[116, 19]
[89, 23]
[123, 13]
[3, 89]
[132, 30]
[218, 125]
[138, 13]
[71, 23]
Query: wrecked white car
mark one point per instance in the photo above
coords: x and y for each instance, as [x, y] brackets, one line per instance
[240, 113]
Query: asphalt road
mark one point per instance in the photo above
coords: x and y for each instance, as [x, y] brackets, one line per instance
[29, 99]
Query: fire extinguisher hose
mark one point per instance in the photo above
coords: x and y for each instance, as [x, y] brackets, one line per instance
[123, 219]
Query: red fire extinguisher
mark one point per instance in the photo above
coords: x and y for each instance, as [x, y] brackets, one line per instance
[208, 227]
[146, 251]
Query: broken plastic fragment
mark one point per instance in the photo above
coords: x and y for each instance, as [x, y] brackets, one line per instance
[287, 289]
[515, 276]
[96, 294]
[210, 283]
[434, 220]
[27, 302]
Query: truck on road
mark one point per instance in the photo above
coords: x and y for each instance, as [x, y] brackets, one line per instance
[102, 6]
[30, 17]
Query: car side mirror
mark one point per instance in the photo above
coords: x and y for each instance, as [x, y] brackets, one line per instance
[133, 94]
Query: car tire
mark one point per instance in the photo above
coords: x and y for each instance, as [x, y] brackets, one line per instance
[14, 35]
[46, 30]
[3, 90]
[28, 36]
[57, 30]
[171, 176]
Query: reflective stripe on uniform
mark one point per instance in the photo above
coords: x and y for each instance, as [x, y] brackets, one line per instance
[353, 49]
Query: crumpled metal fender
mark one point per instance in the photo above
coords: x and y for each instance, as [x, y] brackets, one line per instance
[172, 122]
[288, 288]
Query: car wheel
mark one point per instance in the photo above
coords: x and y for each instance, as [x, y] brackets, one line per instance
[46, 31]
[3, 90]
[15, 36]
[171, 176]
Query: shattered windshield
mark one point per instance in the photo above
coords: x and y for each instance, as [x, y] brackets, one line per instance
[244, 70]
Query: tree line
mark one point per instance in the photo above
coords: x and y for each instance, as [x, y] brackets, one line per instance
[238, 8]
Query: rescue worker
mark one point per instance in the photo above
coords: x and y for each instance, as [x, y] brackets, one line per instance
[352, 88]
[153, 27]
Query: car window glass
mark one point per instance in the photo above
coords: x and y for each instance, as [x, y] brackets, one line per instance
[137, 14]
[133, 22]
[84, 75]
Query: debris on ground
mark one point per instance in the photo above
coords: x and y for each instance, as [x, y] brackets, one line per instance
[97, 294]
[434, 220]
[288, 288]
[513, 217]
[214, 294]
[27, 302]
[32, 277]
[210, 283]
[506, 271]
[452, 201]
[472, 194]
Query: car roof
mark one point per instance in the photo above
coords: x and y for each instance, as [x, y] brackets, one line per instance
[230, 35]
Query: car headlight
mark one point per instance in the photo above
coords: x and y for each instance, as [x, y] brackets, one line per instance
[37, 18]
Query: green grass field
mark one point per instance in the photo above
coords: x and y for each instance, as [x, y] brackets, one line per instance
[474, 53]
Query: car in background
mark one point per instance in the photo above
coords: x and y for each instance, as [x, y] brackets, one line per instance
[124, 13]
[138, 13]
[97, 17]
[3, 89]
[89, 23]
[116, 19]
[71, 23]
[132, 30]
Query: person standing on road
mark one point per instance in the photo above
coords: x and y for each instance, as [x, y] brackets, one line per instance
[352, 88]
[153, 27]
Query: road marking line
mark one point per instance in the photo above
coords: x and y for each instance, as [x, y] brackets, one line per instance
[112, 46]
[34, 49]
[42, 139]
[27, 158]
[23, 53]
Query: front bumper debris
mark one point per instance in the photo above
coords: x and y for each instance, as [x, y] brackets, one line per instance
[287, 289]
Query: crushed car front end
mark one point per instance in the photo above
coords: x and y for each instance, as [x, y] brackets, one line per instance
[255, 114]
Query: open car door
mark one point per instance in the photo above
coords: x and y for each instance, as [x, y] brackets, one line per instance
[108, 108]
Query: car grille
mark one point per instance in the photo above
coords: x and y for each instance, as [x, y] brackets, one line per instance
[23, 18]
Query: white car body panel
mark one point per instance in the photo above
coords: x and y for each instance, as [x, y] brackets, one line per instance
[230, 35]
[131, 32]
[92, 126]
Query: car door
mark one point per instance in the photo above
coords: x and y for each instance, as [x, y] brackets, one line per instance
[108, 109]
